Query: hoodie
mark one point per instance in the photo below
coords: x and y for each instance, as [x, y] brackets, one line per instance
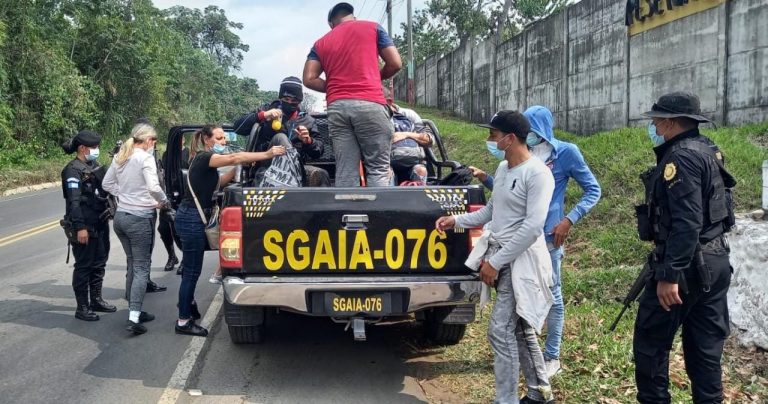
[566, 162]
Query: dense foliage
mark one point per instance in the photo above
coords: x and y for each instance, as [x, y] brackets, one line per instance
[66, 65]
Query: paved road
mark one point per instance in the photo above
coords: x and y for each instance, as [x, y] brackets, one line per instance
[47, 355]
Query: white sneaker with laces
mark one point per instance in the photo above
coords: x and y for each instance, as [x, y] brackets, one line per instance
[552, 366]
[215, 279]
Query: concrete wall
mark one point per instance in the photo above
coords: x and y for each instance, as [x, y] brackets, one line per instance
[597, 72]
[583, 64]
[747, 70]
[431, 90]
[545, 71]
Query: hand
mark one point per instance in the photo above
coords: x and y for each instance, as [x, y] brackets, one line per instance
[668, 295]
[272, 114]
[444, 223]
[478, 173]
[488, 274]
[398, 136]
[276, 151]
[303, 133]
[82, 236]
[561, 231]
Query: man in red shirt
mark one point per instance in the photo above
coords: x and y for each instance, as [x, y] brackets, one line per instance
[358, 118]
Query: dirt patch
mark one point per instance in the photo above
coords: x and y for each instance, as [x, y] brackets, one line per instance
[760, 140]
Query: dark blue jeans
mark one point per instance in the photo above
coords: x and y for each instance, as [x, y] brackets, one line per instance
[191, 230]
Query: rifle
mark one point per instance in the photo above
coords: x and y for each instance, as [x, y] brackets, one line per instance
[634, 291]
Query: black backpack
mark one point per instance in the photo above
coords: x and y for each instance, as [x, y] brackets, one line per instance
[459, 176]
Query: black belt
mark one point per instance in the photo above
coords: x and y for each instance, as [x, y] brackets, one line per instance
[718, 245]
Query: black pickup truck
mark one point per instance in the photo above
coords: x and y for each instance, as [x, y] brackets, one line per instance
[355, 255]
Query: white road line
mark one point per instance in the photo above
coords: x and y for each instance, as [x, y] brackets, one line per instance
[189, 360]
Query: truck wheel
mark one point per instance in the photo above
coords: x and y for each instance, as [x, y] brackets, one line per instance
[253, 334]
[245, 323]
[445, 334]
[439, 332]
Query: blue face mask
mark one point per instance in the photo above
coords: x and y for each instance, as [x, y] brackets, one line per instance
[656, 139]
[93, 154]
[532, 139]
[493, 148]
[218, 148]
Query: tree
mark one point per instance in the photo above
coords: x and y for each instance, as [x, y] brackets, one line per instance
[429, 37]
[211, 31]
[310, 103]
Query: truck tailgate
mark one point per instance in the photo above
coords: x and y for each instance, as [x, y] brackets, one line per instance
[347, 231]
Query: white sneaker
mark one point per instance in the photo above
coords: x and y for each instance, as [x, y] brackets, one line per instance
[552, 367]
[215, 279]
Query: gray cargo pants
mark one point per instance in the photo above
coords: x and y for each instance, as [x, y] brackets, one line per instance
[515, 346]
[360, 129]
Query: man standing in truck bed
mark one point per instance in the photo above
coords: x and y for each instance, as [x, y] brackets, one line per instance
[358, 118]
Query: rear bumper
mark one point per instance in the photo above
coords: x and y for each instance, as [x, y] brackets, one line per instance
[292, 292]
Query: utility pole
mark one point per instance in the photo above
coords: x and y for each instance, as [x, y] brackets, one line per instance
[391, 82]
[411, 67]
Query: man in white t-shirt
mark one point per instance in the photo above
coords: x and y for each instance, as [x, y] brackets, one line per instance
[516, 258]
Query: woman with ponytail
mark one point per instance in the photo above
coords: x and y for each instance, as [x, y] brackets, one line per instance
[132, 179]
[206, 150]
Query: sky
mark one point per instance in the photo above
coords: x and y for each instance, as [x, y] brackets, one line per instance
[281, 33]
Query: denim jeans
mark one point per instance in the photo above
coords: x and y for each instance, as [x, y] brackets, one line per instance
[515, 348]
[191, 230]
[360, 129]
[136, 234]
[556, 315]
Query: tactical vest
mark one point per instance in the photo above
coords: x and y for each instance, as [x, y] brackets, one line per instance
[653, 219]
[91, 193]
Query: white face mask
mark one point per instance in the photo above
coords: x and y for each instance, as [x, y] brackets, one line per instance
[542, 150]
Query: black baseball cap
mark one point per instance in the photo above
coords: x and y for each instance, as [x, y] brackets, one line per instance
[508, 121]
[677, 104]
[339, 8]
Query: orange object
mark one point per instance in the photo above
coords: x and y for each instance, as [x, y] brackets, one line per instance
[362, 175]
[277, 125]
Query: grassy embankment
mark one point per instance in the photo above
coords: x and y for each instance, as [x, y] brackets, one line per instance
[603, 256]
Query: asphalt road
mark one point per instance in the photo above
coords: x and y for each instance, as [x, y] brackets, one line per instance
[46, 355]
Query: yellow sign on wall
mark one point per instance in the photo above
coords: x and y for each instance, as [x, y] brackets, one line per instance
[643, 15]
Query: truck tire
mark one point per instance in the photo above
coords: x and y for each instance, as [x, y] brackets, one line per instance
[445, 334]
[250, 334]
[439, 332]
[245, 323]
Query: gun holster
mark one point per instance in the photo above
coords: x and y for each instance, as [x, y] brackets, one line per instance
[69, 231]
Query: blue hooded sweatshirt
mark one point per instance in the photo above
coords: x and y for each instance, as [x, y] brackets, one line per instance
[566, 162]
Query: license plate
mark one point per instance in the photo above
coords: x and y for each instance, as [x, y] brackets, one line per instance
[351, 304]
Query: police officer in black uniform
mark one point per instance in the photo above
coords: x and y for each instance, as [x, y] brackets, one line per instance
[88, 219]
[688, 209]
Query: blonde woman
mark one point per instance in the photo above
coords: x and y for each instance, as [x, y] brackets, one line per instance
[207, 146]
[132, 178]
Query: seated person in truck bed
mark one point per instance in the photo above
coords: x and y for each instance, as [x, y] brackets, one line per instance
[411, 136]
[297, 129]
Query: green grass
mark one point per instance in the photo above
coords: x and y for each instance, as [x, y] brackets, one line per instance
[603, 256]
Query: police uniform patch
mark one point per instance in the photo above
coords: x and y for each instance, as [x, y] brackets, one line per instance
[719, 155]
[73, 183]
[670, 170]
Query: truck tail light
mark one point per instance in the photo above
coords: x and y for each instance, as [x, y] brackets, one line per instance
[475, 232]
[231, 238]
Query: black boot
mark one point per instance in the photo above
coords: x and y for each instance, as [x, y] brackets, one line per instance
[98, 304]
[153, 287]
[85, 313]
[172, 262]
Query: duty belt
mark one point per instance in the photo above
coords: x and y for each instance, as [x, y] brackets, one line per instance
[718, 245]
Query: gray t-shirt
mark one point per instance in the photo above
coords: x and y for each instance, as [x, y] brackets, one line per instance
[517, 209]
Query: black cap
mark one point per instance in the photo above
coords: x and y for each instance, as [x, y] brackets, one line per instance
[339, 8]
[675, 105]
[508, 121]
[87, 138]
[291, 86]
